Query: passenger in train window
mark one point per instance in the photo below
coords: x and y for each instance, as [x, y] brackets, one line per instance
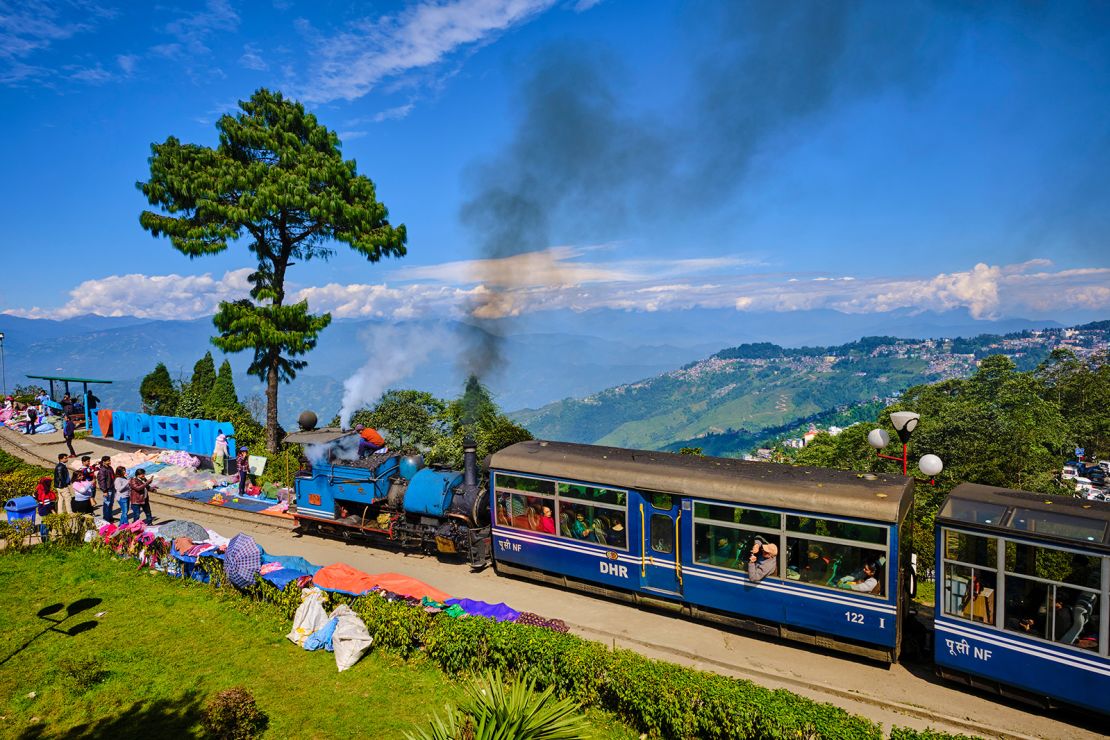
[816, 566]
[564, 523]
[547, 521]
[1021, 624]
[616, 533]
[580, 528]
[724, 553]
[600, 525]
[1061, 621]
[866, 581]
[763, 560]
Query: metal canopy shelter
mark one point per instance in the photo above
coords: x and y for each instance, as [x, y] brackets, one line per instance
[61, 379]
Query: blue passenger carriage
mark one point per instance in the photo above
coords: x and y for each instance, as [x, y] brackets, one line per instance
[676, 531]
[1023, 607]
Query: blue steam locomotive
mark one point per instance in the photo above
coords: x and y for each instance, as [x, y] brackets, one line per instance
[1022, 580]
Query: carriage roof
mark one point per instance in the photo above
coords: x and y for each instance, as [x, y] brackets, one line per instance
[884, 498]
[1021, 513]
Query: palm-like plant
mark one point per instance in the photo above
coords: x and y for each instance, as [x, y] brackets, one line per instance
[492, 711]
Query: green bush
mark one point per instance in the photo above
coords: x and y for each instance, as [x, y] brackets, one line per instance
[233, 715]
[81, 674]
[905, 733]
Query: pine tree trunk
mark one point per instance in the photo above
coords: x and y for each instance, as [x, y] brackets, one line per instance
[272, 406]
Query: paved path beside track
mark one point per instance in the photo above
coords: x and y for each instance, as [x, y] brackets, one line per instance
[907, 695]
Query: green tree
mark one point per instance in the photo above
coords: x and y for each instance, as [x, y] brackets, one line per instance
[158, 393]
[1081, 390]
[278, 178]
[204, 375]
[222, 399]
[474, 415]
[406, 418]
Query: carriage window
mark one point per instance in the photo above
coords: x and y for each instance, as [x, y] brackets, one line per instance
[1061, 525]
[737, 515]
[661, 500]
[520, 483]
[969, 548]
[662, 533]
[969, 586]
[1054, 565]
[839, 530]
[726, 547]
[525, 511]
[836, 565]
[973, 512]
[598, 524]
[592, 494]
[1053, 594]
[969, 592]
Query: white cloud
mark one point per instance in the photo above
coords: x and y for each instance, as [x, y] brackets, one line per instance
[355, 61]
[32, 26]
[251, 59]
[557, 279]
[394, 114]
[192, 30]
[127, 63]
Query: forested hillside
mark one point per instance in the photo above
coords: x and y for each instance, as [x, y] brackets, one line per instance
[742, 396]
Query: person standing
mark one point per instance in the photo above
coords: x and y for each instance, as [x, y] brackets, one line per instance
[243, 465]
[123, 495]
[105, 483]
[61, 484]
[83, 492]
[140, 496]
[47, 501]
[69, 429]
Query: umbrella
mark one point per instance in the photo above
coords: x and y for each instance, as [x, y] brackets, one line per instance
[183, 528]
[242, 561]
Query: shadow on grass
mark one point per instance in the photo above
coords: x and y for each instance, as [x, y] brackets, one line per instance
[51, 615]
[177, 717]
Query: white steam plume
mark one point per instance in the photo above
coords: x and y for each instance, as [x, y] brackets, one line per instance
[393, 354]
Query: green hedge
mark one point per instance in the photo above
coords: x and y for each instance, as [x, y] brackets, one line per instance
[18, 478]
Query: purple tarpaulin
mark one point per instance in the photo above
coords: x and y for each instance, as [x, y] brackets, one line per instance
[499, 612]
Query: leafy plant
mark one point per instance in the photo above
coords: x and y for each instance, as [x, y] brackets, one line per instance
[233, 715]
[81, 674]
[492, 711]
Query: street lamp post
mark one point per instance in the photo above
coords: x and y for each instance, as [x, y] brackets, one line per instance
[905, 422]
[3, 368]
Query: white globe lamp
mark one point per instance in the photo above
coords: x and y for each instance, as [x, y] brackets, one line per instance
[930, 465]
[878, 438]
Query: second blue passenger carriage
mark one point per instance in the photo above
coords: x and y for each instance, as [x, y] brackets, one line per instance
[676, 531]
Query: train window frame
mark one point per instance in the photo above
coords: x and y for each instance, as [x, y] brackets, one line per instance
[1048, 628]
[557, 506]
[967, 609]
[700, 525]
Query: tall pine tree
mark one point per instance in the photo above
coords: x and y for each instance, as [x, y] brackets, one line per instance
[278, 178]
[222, 399]
[158, 393]
[204, 375]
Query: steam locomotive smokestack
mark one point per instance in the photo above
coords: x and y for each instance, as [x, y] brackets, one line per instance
[470, 463]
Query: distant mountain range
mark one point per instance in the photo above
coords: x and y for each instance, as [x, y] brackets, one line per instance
[543, 358]
[738, 397]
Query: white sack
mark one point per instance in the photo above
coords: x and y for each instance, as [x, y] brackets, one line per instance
[310, 616]
[351, 638]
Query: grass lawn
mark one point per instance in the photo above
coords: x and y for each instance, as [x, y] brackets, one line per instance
[926, 593]
[167, 646]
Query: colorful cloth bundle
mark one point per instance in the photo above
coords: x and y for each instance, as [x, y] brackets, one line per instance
[537, 621]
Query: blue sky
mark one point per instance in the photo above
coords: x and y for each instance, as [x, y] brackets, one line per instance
[756, 156]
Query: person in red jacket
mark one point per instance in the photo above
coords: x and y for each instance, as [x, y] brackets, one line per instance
[140, 492]
[48, 502]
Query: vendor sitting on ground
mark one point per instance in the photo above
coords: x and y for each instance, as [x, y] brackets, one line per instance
[369, 441]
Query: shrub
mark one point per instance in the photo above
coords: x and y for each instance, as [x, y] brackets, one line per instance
[17, 535]
[521, 712]
[66, 530]
[233, 715]
[81, 674]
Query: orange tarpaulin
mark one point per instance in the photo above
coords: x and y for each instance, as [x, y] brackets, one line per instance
[342, 577]
[104, 418]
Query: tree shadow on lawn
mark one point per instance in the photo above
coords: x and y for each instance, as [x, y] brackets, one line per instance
[176, 717]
